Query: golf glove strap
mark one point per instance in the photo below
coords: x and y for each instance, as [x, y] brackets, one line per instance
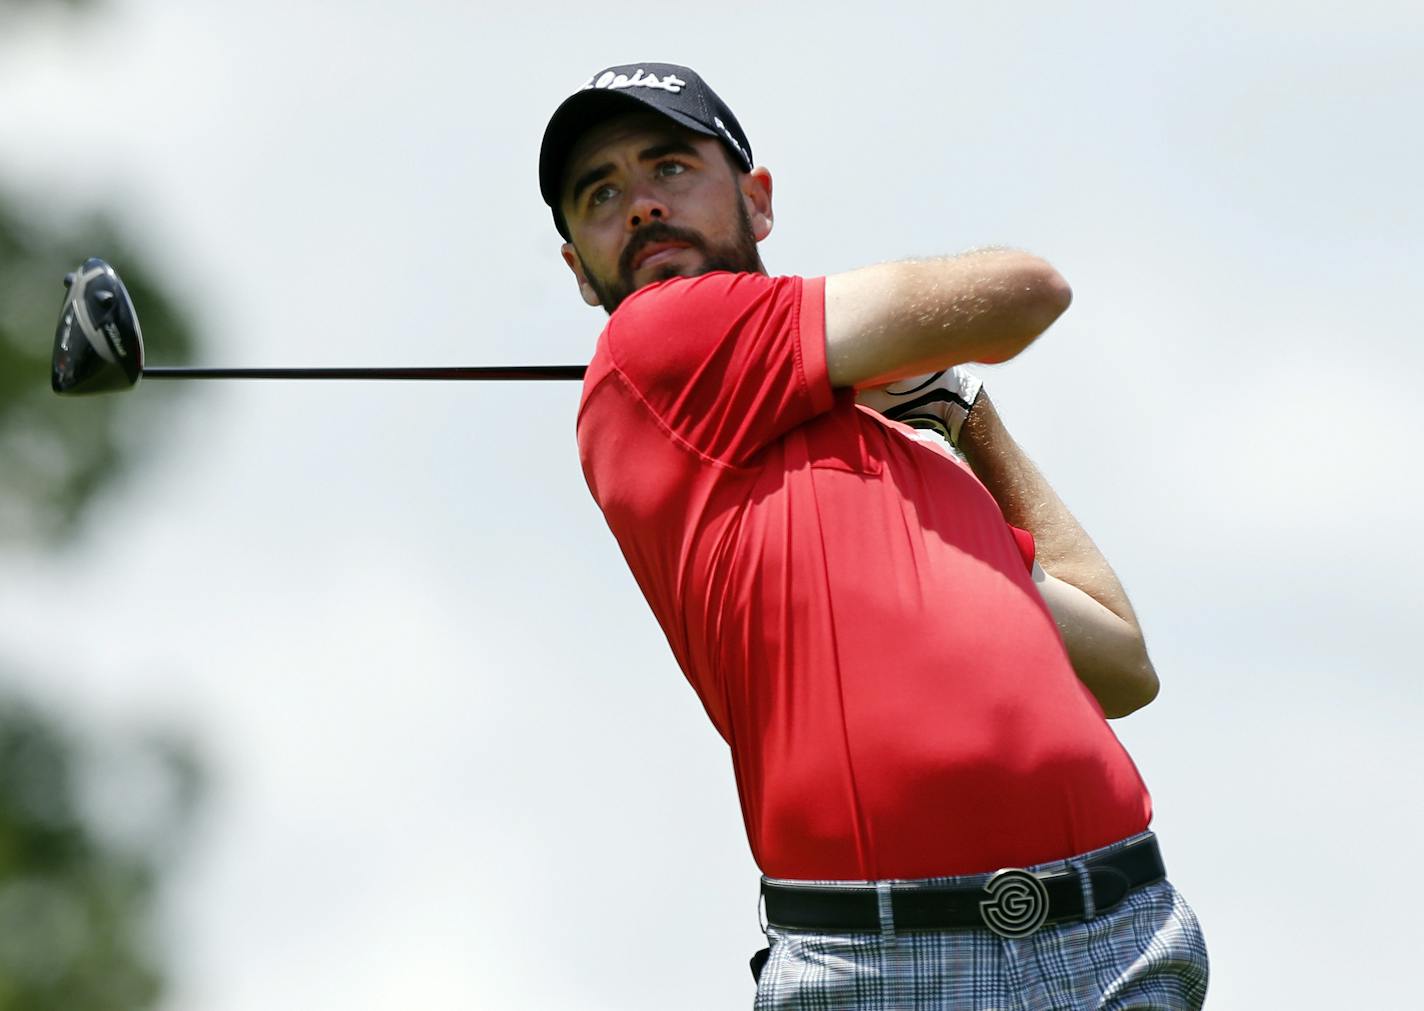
[938, 402]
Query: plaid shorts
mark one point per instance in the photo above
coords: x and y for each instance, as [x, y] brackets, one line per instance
[1147, 952]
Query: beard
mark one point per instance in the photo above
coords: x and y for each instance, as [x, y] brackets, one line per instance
[739, 256]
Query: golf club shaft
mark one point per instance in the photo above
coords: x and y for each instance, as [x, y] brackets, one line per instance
[494, 372]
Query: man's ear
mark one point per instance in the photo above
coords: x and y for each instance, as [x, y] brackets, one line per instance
[571, 257]
[756, 191]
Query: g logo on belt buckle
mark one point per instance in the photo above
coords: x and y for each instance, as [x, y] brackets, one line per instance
[1017, 904]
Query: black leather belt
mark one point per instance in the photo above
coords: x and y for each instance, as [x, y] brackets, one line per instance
[1010, 902]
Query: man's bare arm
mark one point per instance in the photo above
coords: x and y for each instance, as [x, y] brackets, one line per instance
[901, 319]
[1091, 608]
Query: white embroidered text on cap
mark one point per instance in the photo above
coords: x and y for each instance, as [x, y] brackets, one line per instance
[746, 155]
[611, 81]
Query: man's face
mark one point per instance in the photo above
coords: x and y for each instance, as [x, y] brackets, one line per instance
[646, 200]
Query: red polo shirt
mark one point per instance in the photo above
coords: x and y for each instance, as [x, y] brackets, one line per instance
[848, 601]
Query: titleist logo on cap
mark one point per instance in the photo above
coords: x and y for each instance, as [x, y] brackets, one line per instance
[608, 79]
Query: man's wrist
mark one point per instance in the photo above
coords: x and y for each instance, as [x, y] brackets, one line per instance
[981, 429]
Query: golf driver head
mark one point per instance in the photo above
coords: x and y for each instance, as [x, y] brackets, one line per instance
[97, 346]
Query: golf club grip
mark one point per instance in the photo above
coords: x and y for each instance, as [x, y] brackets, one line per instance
[490, 372]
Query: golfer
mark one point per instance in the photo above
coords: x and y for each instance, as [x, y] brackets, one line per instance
[910, 657]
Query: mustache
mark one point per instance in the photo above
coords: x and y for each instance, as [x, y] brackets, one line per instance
[656, 231]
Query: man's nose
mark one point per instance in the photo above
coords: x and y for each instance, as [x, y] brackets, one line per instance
[646, 207]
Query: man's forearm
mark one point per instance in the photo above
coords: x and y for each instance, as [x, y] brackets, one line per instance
[901, 319]
[1064, 548]
[1105, 645]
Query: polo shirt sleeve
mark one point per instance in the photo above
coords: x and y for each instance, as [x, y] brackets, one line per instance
[1026, 546]
[727, 363]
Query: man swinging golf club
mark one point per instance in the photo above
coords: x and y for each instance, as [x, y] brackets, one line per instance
[909, 657]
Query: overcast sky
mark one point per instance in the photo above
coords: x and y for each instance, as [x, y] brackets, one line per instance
[456, 766]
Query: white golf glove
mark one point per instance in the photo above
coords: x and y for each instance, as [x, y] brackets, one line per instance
[938, 402]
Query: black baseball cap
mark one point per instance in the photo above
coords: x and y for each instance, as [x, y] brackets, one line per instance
[676, 92]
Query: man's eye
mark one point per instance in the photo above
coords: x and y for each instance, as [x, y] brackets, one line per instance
[671, 168]
[598, 196]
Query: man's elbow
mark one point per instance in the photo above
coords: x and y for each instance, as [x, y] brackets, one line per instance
[1054, 294]
[1042, 295]
[1134, 687]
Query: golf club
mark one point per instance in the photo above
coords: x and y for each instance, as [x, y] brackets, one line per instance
[98, 347]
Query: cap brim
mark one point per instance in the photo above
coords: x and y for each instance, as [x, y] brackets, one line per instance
[572, 120]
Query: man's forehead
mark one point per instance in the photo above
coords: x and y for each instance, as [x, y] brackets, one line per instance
[641, 129]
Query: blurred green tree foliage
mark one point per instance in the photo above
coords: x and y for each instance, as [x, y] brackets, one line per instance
[88, 821]
[86, 829]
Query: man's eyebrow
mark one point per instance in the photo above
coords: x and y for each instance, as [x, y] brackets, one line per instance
[653, 153]
[663, 150]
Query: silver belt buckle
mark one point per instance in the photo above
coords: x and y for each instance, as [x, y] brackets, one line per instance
[1017, 904]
